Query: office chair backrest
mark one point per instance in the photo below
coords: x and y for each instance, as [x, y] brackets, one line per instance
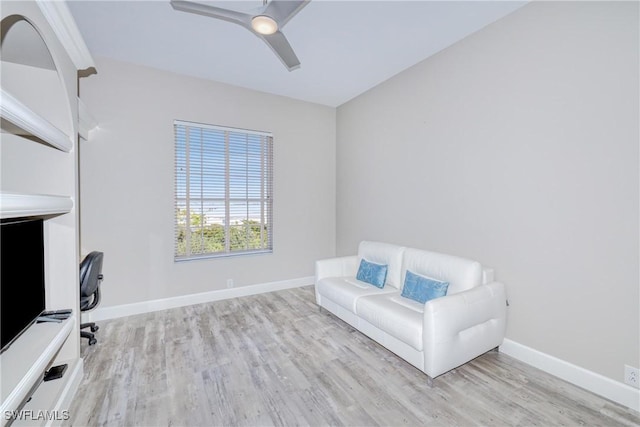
[90, 278]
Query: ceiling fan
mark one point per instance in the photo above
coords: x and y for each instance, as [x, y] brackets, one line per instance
[266, 23]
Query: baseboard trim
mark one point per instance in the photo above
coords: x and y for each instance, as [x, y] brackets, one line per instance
[116, 311]
[591, 381]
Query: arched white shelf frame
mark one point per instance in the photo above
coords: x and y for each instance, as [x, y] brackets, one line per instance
[59, 16]
[25, 118]
[16, 205]
[24, 362]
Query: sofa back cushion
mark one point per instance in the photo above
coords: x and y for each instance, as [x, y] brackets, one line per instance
[387, 254]
[461, 273]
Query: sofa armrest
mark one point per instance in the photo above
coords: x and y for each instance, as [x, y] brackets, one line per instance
[336, 267]
[488, 275]
[462, 326]
[450, 315]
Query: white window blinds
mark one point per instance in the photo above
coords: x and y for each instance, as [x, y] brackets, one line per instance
[223, 191]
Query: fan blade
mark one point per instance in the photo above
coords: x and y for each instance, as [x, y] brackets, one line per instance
[283, 10]
[212, 11]
[280, 11]
[279, 44]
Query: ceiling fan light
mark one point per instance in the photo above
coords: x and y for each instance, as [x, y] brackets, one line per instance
[264, 24]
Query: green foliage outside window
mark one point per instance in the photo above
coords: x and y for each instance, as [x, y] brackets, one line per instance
[210, 238]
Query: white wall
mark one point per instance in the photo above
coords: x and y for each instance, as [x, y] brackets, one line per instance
[127, 181]
[518, 147]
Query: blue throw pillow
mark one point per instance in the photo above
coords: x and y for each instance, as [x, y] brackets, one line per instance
[372, 273]
[423, 289]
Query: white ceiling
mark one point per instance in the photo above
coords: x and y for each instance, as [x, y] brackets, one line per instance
[345, 47]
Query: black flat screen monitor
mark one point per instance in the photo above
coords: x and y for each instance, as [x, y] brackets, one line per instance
[22, 290]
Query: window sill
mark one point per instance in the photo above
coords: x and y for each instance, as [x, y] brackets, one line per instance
[223, 255]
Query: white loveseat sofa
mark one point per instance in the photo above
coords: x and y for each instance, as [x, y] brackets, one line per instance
[436, 336]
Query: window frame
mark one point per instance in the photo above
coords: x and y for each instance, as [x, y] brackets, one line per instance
[183, 197]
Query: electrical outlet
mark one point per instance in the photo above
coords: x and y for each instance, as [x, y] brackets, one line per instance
[229, 283]
[632, 376]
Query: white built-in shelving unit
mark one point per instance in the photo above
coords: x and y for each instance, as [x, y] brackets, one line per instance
[24, 362]
[44, 122]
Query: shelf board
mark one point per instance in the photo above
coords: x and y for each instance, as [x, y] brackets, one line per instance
[24, 362]
[15, 205]
[28, 120]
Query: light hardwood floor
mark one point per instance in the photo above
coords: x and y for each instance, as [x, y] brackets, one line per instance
[276, 359]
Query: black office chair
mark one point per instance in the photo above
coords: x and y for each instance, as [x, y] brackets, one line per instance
[90, 278]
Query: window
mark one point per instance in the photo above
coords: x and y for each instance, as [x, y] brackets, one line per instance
[223, 191]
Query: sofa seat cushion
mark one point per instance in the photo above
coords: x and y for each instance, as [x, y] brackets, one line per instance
[400, 317]
[345, 291]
